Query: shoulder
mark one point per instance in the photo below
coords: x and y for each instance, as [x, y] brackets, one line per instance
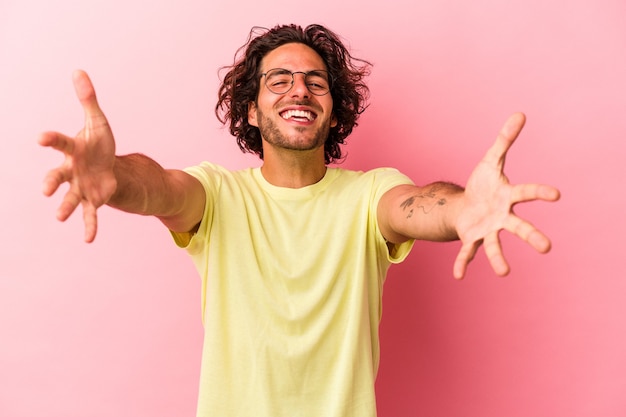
[378, 178]
[213, 174]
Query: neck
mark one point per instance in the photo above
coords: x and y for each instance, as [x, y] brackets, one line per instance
[293, 170]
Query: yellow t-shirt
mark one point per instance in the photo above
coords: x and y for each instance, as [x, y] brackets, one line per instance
[291, 295]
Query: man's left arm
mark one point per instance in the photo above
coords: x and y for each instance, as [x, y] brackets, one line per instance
[475, 215]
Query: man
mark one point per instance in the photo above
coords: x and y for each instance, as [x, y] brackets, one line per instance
[293, 254]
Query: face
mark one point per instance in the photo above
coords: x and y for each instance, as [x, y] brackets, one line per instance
[296, 120]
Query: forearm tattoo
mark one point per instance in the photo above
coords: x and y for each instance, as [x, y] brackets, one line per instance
[425, 201]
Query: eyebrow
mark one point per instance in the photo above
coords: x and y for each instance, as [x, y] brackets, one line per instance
[317, 70]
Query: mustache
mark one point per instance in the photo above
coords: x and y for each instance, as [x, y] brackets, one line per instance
[304, 102]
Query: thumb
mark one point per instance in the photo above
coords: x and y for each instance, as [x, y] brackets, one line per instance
[86, 94]
[507, 135]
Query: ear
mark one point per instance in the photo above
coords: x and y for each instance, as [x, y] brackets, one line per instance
[333, 120]
[252, 114]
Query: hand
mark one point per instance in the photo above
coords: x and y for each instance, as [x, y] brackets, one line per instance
[488, 206]
[89, 161]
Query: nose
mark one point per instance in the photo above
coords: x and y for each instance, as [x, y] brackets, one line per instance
[299, 88]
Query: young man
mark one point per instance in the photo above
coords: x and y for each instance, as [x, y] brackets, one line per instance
[293, 254]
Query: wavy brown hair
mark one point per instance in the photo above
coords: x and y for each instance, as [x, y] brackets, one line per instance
[242, 81]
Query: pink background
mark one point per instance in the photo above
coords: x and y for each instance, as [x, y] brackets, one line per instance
[113, 328]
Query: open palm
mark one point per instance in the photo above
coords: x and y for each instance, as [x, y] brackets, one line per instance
[488, 206]
[89, 161]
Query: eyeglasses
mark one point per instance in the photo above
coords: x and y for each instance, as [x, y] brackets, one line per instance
[280, 81]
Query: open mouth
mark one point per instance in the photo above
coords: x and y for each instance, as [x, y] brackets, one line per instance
[298, 115]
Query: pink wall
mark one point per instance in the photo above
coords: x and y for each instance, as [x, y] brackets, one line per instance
[113, 328]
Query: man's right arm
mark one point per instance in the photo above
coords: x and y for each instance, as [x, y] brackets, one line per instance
[144, 187]
[133, 183]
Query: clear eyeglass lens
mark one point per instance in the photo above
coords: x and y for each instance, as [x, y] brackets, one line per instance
[280, 81]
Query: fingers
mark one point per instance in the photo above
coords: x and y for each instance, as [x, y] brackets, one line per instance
[95, 121]
[71, 200]
[509, 132]
[86, 95]
[55, 177]
[531, 192]
[493, 247]
[90, 219]
[465, 256]
[57, 141]
[539, 241]
[493, 251]
[53, 180]
[528, 233]
[523, 229]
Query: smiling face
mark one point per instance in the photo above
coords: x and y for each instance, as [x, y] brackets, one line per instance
[296, 120]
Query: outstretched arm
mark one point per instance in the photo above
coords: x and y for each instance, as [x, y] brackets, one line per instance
[133, 183]
[475, 215]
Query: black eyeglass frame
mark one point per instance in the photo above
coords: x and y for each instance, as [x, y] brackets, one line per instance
[293, 80]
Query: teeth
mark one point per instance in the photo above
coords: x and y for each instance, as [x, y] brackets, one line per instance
[298, 113]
